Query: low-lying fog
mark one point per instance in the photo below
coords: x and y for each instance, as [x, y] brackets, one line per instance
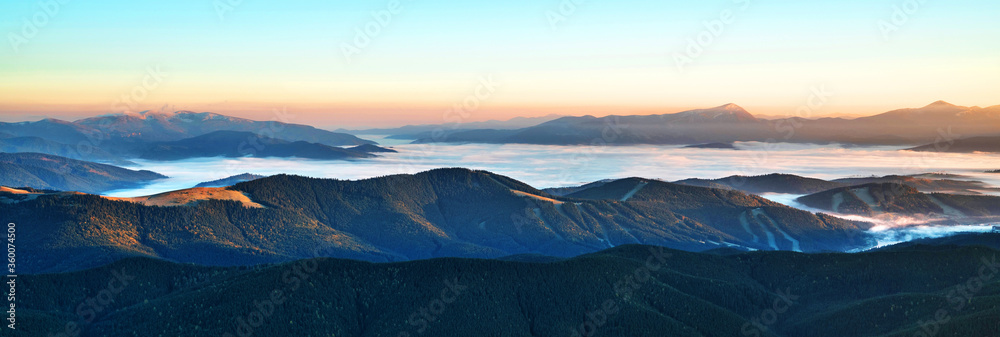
[893, 229]
[555, 166]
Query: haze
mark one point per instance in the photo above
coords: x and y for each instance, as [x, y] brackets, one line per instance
[599, 58]
[534, 164]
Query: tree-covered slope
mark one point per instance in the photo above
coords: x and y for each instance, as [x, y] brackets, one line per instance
[625, 291]
[894, 198]
[59, 173]
[439, 213]
[770, 183]
[242, 144]
[766, 224]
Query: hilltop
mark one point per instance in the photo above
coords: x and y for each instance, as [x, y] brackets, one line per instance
[439, 213]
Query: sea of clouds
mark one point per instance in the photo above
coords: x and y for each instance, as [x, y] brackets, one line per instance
[556, 166]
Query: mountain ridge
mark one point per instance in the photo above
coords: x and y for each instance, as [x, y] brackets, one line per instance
[44, 171]
[731, 123]
[116, 138]
[438, 213]
[233, 144]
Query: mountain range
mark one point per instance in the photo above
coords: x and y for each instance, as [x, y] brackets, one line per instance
[771, 183]
[731, 123]
[234, 144]
[879, 198]
[44, 171]
[42, 145]
[793, 184]
[439, 213]
[423, 130]
[119, 137]
[186, 124]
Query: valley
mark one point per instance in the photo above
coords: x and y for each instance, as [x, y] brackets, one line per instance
[438, 213]
[562, 168]
[326, 232]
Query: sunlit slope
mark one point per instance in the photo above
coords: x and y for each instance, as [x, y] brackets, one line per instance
[439, 213]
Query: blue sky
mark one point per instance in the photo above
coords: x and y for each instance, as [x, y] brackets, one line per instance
[605, 57]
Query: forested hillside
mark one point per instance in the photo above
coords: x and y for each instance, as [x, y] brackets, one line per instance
[439, 213]
[44, 171]
[625, 291]
[880, 198]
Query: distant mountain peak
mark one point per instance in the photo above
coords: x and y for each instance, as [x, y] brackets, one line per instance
[53, 121]
[940, 104]
[731, 107]
[731, 112]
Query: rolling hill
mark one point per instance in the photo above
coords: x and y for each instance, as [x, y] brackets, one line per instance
[770, 183]
[119, 137]
[749, 217]
[965, 145]
[728, 122]
[230, 181]
[624, 291]
[369, 148]
[41, 145]
[793, 184]
[718, 146]
[51, 129]
[879, 198]
[439, 213]
[234, 144]
[149, 126]
[989, 240]
[927, 183]
[44, 171]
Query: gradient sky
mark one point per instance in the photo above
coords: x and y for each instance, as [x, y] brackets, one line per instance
[607, 57]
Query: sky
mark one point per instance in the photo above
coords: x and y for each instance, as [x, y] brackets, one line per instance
[395, 62]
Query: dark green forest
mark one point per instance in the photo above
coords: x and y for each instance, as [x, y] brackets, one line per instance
[631, 290]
